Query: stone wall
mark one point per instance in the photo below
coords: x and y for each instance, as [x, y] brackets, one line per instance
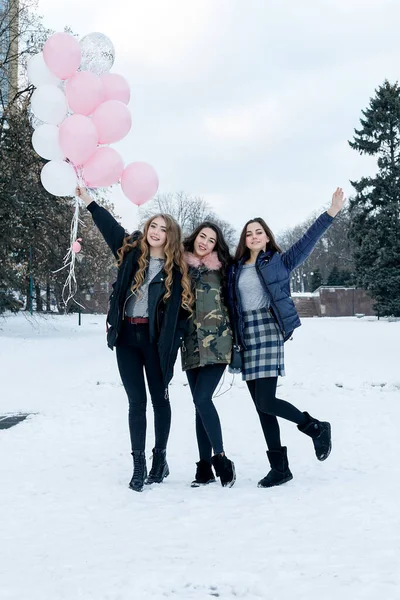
[334, 302]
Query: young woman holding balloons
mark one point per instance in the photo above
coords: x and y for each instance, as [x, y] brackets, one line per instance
[150, 298]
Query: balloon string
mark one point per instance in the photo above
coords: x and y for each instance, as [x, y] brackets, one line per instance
[79, 175]
[70, 287]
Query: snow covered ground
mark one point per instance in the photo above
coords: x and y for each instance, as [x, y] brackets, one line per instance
[71, 529]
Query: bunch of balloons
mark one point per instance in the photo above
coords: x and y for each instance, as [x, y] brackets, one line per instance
[82, 108]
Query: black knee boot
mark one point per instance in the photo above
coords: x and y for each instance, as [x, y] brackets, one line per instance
[320, 432]
[159, 469]
[280, 472]
[139, 471]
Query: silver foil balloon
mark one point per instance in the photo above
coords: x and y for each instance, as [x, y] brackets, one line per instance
[98, 53]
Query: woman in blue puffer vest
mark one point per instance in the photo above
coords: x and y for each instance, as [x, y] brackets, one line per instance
[264, 317]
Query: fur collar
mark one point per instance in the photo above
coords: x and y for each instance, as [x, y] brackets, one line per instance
[211, 261]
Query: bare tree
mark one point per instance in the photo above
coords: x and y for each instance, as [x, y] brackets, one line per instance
[22, 34]
[333, 250]
[189, 212]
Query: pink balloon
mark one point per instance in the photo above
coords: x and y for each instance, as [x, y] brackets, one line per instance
[78, 139]
[112, 120]
[62, 55]
[104, 168]
[139, 182]
[115, 87]
[84, 92]
[76, 247]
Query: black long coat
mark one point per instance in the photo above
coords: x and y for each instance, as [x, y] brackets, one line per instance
[165, 319]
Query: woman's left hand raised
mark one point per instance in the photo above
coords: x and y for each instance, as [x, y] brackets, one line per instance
[338, 201]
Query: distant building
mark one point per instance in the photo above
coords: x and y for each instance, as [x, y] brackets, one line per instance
[9, 13]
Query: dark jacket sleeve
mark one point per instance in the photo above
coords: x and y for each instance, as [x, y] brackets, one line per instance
[110, 229]
[302, 249]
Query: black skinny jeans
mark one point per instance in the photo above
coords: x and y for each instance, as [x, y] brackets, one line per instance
[269, 407]
[203, 382]
[135, 352]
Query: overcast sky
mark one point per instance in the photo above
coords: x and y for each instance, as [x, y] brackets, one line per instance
[248, 103]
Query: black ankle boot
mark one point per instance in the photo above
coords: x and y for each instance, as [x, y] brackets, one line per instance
[204, 474]
[224, 469]
[159, 469]
[320, 432]
[280, 472]
[139, 471]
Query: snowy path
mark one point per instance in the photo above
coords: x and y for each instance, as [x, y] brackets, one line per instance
[71, 529]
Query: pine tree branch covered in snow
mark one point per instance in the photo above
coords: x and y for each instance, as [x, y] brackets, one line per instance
[375, 209]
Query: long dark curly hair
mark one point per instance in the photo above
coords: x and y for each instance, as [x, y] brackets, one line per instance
[221, 247]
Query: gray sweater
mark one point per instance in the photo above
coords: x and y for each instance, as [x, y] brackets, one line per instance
[138, 303]
[251, 291]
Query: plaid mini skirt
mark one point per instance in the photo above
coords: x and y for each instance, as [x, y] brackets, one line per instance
[263, 356]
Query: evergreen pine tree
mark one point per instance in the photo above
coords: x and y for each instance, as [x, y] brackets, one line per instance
[316, 279]
[334, 277]
[375, 210]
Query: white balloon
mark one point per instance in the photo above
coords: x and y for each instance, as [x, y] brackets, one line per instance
[59, 178]
[45, 142]
[39, 73]
[49, 104]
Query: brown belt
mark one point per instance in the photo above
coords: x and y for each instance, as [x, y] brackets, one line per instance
[137, 320]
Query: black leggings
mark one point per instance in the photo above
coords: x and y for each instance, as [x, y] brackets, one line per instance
[135, 352]
[269, 407]
[203, 382]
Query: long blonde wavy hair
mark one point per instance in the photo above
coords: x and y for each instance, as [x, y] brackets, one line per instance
[173, 250]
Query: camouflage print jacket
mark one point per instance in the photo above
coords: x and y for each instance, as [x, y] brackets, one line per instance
[208, 335]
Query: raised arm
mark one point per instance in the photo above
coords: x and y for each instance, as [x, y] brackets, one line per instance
[302, 249]
[110, 229]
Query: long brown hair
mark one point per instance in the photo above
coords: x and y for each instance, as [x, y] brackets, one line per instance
[173, 250]
[243, 251]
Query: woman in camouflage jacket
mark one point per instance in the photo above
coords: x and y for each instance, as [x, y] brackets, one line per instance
[207, 347]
